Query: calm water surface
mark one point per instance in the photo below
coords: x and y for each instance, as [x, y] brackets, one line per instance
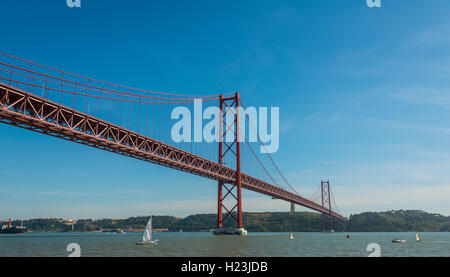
[206, 244]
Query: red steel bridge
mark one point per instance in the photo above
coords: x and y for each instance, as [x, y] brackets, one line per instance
[136, 123]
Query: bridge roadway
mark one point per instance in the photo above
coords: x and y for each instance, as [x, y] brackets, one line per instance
[26, 110]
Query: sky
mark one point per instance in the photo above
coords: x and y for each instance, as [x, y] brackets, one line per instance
[363, 93]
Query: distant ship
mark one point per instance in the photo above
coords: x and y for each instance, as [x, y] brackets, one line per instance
[9, 229]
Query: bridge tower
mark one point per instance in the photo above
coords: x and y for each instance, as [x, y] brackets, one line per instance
[326, 202]
[229, 106]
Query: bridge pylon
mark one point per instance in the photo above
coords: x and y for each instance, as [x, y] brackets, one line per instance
[327, 218]
[232, 191]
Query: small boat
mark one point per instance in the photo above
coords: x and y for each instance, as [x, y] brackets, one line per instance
[418, 238]
[292, 236]
[147, 237]
[398, 240]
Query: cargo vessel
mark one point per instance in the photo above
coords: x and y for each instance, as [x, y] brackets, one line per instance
[9, 229]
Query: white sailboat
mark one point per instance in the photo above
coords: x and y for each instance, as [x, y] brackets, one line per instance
[292, 236]
[418, 238]
[398, 240]
[147, 237]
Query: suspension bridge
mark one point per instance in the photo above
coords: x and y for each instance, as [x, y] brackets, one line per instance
[136, 123]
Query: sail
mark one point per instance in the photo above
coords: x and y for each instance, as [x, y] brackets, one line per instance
[146, 236]
[417, 237]
[148, 231]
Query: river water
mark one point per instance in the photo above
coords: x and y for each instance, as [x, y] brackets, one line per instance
[188, 244]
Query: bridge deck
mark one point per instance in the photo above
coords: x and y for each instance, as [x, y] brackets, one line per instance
[26, 110]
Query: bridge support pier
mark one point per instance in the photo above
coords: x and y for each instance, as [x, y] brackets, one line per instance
[233, 191]
[230, 231]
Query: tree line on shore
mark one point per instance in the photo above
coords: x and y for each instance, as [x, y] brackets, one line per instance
[390, 221]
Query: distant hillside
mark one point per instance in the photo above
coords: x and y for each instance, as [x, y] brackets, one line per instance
[398, 221]
[254, 222]
[260, 222]
[64, 225]
[395, 221]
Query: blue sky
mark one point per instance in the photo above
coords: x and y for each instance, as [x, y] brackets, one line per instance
[364, 97]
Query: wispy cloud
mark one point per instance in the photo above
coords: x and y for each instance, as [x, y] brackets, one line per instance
[415, 179]
[420, 95]
[366, 197]
[406, 126]
[286, 15]
[434, 36]
[425, 51]
[21, 192]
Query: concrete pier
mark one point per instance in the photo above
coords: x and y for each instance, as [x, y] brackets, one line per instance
[230, 231]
